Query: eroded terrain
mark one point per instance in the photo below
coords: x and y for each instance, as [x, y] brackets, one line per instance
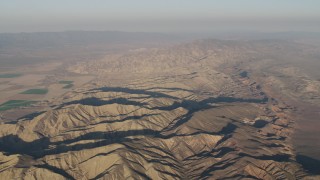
[202, 110]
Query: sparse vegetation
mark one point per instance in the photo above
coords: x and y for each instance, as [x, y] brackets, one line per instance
[244, 74]
[35, 91]
[68, 85]
[15, 104]
[65, 82]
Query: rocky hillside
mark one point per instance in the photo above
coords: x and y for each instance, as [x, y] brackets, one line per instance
[194, 111]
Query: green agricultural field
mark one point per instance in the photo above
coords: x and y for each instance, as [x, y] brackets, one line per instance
[35, 91]
[10, 75]
[67, 86]
[65, 82]
[15, 104]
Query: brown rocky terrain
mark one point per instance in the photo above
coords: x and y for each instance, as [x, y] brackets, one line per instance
[202, 110]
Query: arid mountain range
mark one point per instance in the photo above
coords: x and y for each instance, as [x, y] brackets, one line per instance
[208, 109]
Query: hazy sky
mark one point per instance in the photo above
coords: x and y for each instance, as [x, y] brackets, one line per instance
[159, 15]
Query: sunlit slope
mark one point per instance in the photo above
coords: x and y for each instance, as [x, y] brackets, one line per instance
[191, 112]
[169, 132]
